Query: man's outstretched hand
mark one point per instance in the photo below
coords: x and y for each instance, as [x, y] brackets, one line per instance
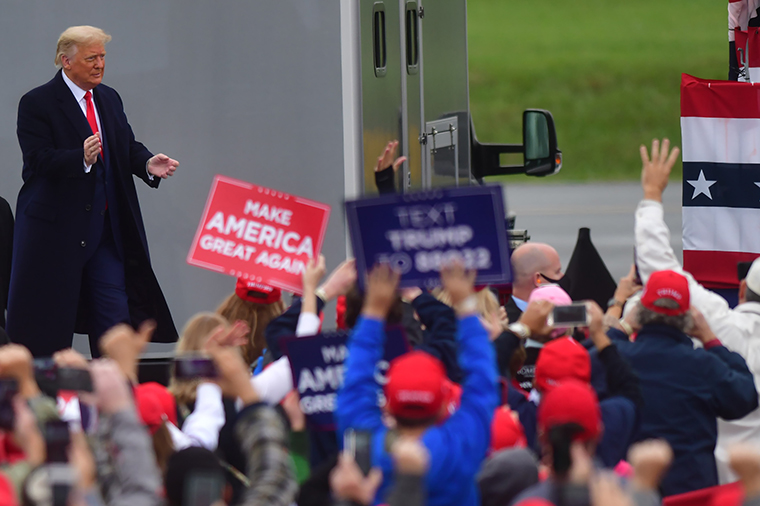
[386, 159]
[382, 283]
[656, 171]
[162, 166]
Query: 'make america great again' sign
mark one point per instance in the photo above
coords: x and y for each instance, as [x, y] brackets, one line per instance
[258, 233]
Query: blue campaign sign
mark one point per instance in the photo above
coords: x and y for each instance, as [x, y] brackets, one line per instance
[317, 366]
[417, 233]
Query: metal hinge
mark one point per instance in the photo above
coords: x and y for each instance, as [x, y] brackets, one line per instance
[421, 12]
[423, 138]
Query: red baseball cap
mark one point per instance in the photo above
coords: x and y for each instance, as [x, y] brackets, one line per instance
[571, 401]
[506, 430]
[562, 359]
[666, 292]
[417, 386]
[155, 404]
[259, 293]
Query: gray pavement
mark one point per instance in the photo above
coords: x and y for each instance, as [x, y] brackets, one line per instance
[554, 213]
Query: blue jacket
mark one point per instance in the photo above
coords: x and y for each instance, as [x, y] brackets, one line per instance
[458, 446]
[685, 390]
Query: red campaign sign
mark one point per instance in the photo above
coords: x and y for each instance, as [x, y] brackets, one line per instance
[257, 233]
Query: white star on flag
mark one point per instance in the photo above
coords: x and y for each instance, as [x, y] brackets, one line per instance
[701, 185]
[757, 184]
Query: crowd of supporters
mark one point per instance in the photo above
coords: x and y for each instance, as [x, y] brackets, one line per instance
[652, 400]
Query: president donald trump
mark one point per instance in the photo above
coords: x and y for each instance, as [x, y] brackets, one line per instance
[80, 254]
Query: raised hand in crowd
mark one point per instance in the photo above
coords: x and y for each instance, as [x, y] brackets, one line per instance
[312, 275]
[382, 283]
[460, 285]
[234, 377]
[626, 288]
[535, 318]
[124, 346]
[606, 491]
[411, 462]
[388, 158]
[339, 282]
[348, 483]
[596, 326]
[410, 293]
[700, 329]
[110, 386]
[410, 456]
[655, 171]
[233, 336]
[70, 358]
[16, 363]
[650, 461]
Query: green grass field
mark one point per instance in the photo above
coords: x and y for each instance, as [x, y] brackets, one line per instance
[608, 70]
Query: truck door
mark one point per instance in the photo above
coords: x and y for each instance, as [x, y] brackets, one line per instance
[382, 108]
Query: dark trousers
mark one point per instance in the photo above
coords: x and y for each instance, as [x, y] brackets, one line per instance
[104, 286]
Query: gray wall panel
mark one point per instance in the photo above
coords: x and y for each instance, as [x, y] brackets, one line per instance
[248, 89]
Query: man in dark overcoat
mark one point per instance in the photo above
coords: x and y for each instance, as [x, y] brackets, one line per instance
[80, 253]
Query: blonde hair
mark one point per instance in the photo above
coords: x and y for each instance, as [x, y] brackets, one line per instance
[488, 304]
[194, 336]
[257, 316]
[73, 37]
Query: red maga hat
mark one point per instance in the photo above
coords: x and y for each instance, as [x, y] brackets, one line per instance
[259, 293]
[417, 386]
[571, 401]
[666, 292]
[561, 359]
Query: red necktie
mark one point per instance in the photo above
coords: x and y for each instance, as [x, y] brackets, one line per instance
[91, 117]
[93, 122]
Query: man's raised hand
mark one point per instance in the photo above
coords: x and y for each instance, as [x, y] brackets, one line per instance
[655, 171]
[535, 318]
[340, 280]
[382, 283]
[312, 275]
[458, 282]
[234, 377]
[162, 166]
[385, 160]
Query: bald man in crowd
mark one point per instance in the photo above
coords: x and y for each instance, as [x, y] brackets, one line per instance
[533, 264]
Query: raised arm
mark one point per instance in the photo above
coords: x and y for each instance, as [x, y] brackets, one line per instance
[470, 426]
[357, 399]
[653, 249]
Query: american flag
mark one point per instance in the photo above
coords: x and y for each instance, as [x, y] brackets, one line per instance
[720, 130]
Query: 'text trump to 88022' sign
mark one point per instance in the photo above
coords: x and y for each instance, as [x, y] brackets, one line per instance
[258, 233]
[417, 233]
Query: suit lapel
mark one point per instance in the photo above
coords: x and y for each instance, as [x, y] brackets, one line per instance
[106, 122]
[70, 108]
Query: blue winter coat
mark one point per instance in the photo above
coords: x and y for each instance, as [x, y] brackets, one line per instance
[458, 446]
[685, 390]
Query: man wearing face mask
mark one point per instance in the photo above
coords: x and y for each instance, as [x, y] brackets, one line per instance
[533, 264]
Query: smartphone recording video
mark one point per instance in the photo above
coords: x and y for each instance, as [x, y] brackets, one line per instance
[572, 315]
[358, 444]
[53, 378]
[191, 367]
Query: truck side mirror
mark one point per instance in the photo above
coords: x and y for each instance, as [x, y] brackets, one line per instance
[541, 156]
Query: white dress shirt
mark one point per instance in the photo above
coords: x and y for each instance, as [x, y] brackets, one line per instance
[79, 96]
